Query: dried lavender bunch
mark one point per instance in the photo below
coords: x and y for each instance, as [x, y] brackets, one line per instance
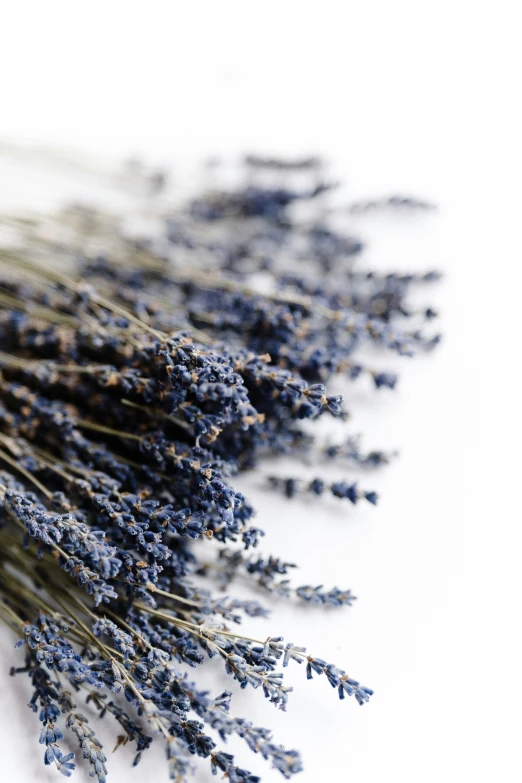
[134, 385]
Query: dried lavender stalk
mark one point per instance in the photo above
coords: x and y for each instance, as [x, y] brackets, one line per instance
[133, 387]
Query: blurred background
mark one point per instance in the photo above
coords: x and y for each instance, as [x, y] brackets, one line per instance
[408, 97]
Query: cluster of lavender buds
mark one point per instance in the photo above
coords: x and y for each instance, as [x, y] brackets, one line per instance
[140, 371]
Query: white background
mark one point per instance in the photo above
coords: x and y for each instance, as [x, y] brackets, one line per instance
[422, 98]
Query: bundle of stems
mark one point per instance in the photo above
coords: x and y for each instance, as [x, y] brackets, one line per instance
[134, 384]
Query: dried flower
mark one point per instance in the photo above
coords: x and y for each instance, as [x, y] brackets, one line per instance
[133, 388]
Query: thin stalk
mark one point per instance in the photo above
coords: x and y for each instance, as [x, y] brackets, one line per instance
[158, 414]
[30, 364]
[92, 425]
[29, 476]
